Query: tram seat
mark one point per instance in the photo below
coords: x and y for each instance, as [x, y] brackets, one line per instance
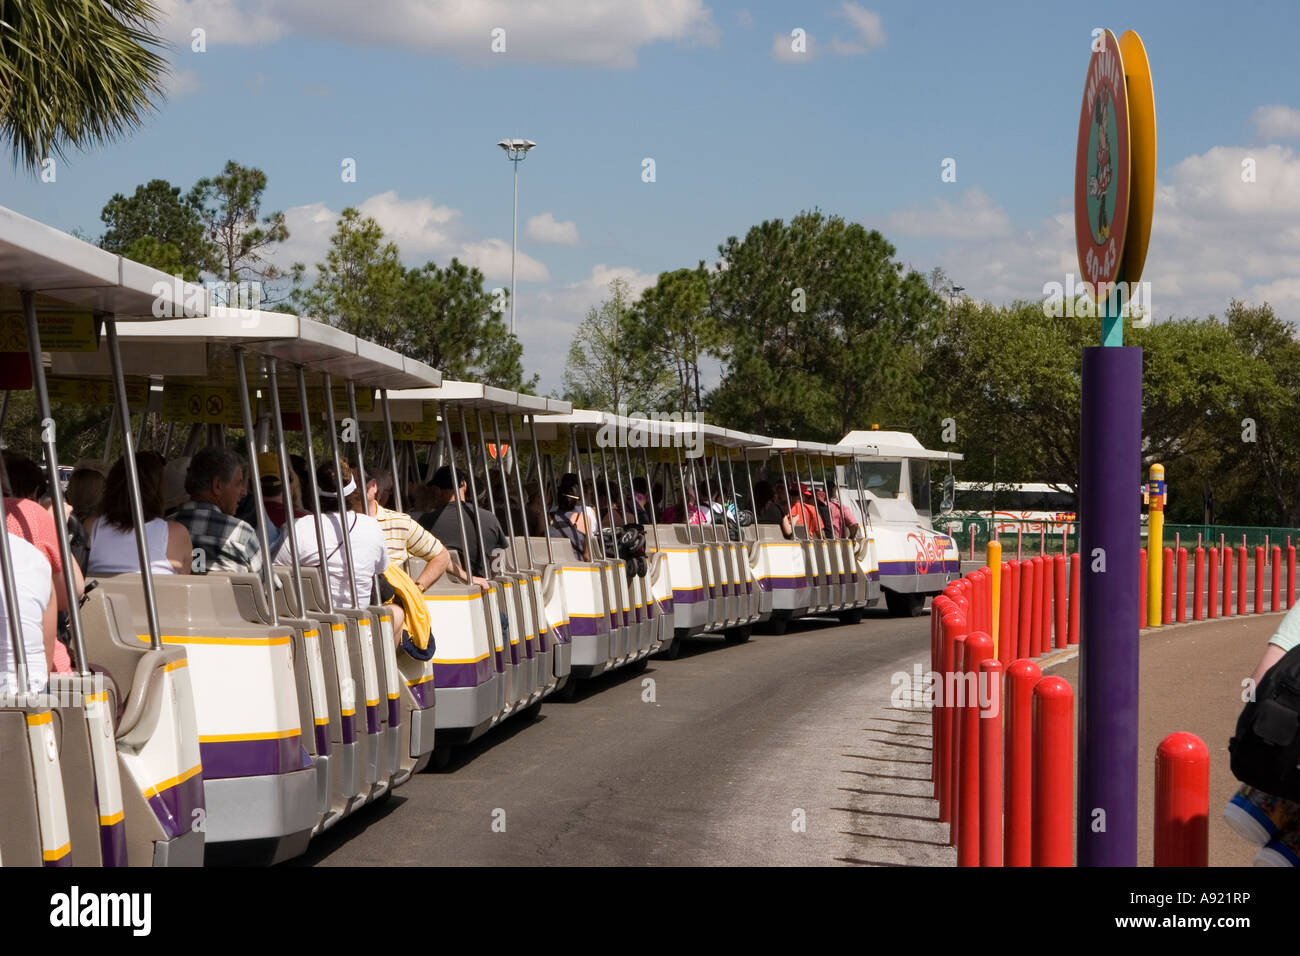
[783, 572]
[337, 737]
[551, 593]
[359, 690]
[34, 827]
[150, 697]
[250, 598]
[259, 784]
[464, 665]
[691, 601]
[659, 588]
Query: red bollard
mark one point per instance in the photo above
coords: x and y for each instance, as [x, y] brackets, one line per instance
[954, 631]
[1290, 575]
[976, 600]
[990, 600]
[1227, 580]
[956, 729]
[1075, 570]
[979, 647]
[1182, 801]
[1022, 675]
[1025, 626]
[990, 722]
[1241, 576]
[972, 542]
[1276, 597]
[1259, 580]
[1053, 750]
[1012, 637]
[1042, 540]
[1212, 584]
[1036, 623]
[1005, 616]
[1061, 607]
[1180, 587]
[941, 606]
[1020, 534]
[1198, 585]
[1167, 586]
[1046, 609]
[1142, 588]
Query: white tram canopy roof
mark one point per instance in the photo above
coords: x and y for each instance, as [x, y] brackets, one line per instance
[68, 272]
[894, 445]
[184, 348]
[486, 398]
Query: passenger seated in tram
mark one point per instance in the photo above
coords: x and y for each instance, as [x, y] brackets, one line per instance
[26, 519]
[641, 499]
[111, 534]
[803, 511]
[568, 518]
[769, 510]
[442, 523]
[844, 521]
[37, 615]
[85, 491]
[268, 465]
[369, 552]
[215, 484]
[403, 535]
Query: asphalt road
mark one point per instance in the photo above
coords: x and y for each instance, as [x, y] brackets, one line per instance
[784, 750]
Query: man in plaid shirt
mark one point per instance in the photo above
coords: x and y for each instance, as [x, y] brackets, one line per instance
[215, 482]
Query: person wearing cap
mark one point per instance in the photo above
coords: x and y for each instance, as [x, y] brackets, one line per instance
[215, 483]
[803, 511]
[444, 525]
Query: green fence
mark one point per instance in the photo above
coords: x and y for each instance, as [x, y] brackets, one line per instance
[1036, 538]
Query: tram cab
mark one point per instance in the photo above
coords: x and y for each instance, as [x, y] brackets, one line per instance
[889, 480]
[103, 768]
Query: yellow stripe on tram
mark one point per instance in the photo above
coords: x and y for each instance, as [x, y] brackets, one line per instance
[170, 782]
[35, 720]
[52, 855]
[264, 735]
[110, 820]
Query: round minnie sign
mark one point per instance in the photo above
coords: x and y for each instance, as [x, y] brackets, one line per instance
[1101, 170]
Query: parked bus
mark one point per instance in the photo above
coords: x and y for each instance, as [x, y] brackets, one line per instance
[1030, 507]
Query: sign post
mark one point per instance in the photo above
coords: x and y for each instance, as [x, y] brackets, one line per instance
[1112, 223]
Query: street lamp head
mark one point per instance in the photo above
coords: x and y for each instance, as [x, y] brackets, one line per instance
[516, 149]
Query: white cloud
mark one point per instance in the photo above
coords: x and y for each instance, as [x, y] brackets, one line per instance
[178, 83]
[1277, 122]
[1214, 238]
[422, 231]
[604, 33]
[547, 319]
[867, 25]
[973, 215]
[783, 50]
[544, 228]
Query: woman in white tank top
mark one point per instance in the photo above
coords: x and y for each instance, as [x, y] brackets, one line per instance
[37, 615]
[112, 535]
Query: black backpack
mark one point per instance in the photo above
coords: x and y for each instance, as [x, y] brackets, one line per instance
[1265, 750]
[560, 521]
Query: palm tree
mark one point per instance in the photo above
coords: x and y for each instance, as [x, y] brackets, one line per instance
[74, 73]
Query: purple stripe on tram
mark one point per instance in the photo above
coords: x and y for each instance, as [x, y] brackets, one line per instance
[323, 740]
[422, 694]
[688, 595]
[925, 567]
[349, 722]
[372, 719]
[175, 806]
[112, 843]
[588, 626]
[462, 675]
[560, 633]
[787, 584]
[253, 758]
[394, 712]
[65, 860]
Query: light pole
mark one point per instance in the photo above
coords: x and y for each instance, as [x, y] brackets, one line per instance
[516, 150]
[953, 292]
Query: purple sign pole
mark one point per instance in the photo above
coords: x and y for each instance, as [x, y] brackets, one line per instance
[1110, 464]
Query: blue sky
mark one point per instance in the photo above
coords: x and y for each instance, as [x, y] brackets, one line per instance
[740, 127]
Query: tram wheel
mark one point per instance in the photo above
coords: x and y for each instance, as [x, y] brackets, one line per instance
[904, 605]
[851, 616]
[777, 625]
[441, 756]
[568, 691]
[673, 650]
[737, 635]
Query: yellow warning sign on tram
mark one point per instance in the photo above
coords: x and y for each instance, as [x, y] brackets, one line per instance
[61, 331]
[207, 404]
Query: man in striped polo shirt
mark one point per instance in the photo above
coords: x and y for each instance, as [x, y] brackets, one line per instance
[403, 535]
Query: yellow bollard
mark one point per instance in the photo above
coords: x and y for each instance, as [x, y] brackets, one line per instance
[994, 561]
[1155, 545]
